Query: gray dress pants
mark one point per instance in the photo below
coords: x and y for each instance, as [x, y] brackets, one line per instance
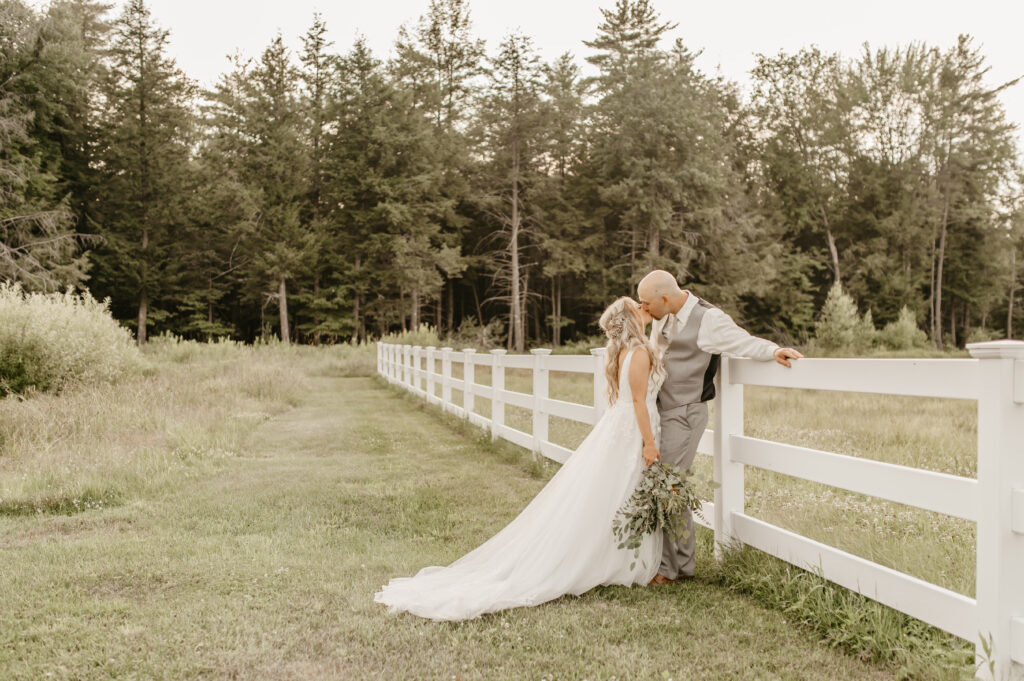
[681, 428]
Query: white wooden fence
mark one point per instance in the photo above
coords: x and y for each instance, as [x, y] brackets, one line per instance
[994, 500]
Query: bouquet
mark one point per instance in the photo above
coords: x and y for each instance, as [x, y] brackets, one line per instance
[658, 502]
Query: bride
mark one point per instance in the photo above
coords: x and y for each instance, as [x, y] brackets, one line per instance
[562, 542]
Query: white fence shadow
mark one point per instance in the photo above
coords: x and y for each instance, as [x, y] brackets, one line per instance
[994, 500]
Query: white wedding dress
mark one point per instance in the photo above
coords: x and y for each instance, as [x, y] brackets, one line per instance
[561, 543]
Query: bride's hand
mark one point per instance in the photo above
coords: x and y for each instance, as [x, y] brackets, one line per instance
[651, 453]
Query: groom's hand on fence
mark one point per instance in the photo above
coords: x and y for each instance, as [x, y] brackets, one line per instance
[783, 355]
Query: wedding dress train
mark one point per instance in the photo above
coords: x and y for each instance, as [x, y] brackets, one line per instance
[561, 543]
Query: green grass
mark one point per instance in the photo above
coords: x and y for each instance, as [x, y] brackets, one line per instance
[933, 434]
[263, 565]
[230, 514]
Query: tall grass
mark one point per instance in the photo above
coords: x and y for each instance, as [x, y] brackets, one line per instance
[98, 444]
[933, 434]
[49, 341]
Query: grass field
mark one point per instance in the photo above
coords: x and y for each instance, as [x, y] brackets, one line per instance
[247, 502]
[934, 434]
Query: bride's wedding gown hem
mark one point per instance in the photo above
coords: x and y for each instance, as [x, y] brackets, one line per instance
[561, 543]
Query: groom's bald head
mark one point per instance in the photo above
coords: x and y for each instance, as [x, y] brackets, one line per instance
[658, 283]
[659, 293]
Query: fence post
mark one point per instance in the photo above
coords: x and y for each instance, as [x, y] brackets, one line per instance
[446, 379]
[1000, 544]
[497, 385]
[388, 362]
[429, 368]
[406, 367]
[380, 358]
[540, 394]
[600, 383]
[727, 473]
[417, 366]
[468, 381]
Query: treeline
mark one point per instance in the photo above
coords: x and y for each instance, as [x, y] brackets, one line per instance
[330, 195]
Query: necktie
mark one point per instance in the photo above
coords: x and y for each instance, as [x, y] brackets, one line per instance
[666, 329]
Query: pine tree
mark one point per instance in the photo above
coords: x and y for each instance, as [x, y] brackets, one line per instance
[318, 75]
[147, 127]
[383, 188]
[511, 137]
[562, 234]
[440, 63]
[38, 246]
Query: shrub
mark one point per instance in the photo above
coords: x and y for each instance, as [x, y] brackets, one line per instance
[840, 326]
[980, 334]
[472, 335]
[49, 341]
[425, 336]
[903, 334]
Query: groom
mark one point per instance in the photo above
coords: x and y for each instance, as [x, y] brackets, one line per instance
[691, 334]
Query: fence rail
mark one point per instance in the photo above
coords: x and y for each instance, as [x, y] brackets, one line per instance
[994, 378]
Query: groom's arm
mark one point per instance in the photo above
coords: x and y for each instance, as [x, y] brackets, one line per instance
[719, 334]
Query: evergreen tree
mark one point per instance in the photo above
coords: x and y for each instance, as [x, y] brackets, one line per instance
[318, 74]
[147, 129]
[970, 148]
[562, 232]
[384, 180]
[440, 63]
[511, 140]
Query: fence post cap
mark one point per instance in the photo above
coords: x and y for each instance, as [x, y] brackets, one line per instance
[417, 347]
[598, 352]
[469, 350]
[1000, 349]
[431, 347]
[498, 352]
[540, 351]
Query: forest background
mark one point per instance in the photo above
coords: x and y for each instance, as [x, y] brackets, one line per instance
[331, 196]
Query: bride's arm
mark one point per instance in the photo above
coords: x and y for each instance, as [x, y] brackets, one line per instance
[639, 371]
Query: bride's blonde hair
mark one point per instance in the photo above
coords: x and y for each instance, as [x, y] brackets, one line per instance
[619, 323]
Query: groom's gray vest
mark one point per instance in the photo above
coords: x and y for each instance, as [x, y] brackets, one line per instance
[690, 372]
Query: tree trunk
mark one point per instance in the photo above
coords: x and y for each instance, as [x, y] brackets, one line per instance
[831, 240]
[143, 293]
[282, 309]
[415, 309]
[479, 310]
[939, 262]
[143, 312]
[1013, 290]
[355, 319]
[516, 330]
[316, 315]
[357, 323]
[401, 308]
[450, 285]
[952, 326]
[209, 301]
[556, 318]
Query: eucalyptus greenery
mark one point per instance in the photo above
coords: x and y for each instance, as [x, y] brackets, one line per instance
[659, 501]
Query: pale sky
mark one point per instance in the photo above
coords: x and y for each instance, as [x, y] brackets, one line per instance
[203, 32]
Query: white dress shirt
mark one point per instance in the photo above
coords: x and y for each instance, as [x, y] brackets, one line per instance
[718, 333]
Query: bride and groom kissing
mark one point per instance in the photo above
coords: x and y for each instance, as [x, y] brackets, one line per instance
[562, 542]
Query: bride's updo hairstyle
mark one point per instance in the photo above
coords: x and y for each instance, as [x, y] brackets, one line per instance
[620, 324]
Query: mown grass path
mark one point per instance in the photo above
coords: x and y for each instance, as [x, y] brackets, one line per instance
[263, 566]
